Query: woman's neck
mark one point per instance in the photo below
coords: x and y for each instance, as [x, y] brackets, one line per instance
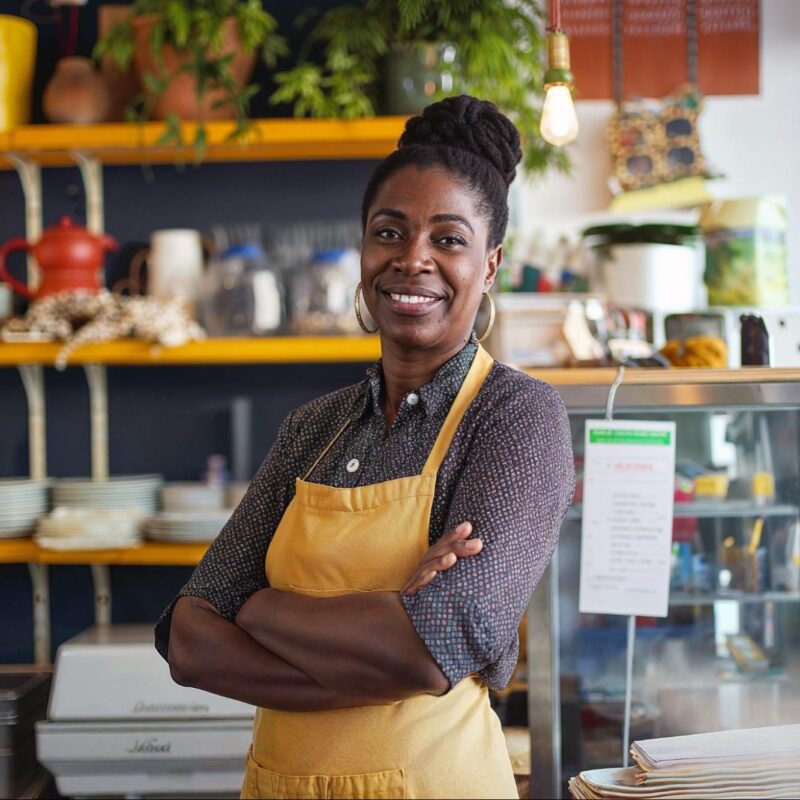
[404, 370]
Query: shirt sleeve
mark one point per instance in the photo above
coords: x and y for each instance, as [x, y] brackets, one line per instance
[515, 489]
[233, 567]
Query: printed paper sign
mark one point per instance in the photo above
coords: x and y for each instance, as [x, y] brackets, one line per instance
[629, 478]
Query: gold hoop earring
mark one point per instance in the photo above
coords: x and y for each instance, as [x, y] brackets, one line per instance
[492, 314]
[357, 303]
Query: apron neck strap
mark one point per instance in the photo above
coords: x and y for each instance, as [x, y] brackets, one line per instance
[479, 370]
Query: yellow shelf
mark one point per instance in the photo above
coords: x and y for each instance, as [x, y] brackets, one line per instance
[26, 551]
[269, 140]
[266, 350]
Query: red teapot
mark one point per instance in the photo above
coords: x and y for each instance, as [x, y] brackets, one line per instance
[69, 257]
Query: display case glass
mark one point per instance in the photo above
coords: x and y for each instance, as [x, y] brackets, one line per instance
[728, 653]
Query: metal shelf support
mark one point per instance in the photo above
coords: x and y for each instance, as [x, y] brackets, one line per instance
[92, 176]
[41, 613]
[33, 381]
[30, 176]
[98, 409]
[101, 578]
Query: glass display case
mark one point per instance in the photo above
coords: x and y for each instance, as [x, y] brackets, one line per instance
[728, 653]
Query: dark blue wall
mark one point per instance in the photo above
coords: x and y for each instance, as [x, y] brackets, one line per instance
[165, 420]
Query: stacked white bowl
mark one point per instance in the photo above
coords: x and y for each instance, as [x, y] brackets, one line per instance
[22, 502]
[193, 512]
[128, 492]
[89, 529]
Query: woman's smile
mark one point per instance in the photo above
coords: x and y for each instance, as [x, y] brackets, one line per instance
[410, 301]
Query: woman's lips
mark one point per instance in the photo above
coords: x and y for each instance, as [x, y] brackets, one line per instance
[414, 305]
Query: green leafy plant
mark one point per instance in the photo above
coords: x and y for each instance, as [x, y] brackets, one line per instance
[194, 29]
[500, 53]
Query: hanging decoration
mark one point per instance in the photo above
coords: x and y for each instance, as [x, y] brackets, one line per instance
[656, 141]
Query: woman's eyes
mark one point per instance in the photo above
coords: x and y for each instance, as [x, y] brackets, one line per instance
[449, 240]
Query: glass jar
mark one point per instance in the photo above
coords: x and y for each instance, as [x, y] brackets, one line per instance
[243, 295]
[322, 293]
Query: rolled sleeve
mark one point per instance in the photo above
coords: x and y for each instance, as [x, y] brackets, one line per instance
[515, 488]
[233, 567]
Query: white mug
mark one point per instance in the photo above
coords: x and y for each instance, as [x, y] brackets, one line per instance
[175, 262]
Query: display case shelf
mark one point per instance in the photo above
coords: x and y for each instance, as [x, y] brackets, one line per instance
[727, 509]
[689, 599]
[268, 140]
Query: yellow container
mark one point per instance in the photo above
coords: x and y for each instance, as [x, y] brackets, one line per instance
[17, 64]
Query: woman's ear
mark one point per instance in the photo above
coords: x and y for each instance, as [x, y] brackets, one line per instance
[493, 262]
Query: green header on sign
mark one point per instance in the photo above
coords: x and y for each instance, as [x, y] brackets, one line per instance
[628, 436]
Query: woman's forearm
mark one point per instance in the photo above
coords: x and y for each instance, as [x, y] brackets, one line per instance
[208, 652]
[361, 645]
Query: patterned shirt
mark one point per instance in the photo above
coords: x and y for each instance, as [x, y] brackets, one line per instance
[509, 471]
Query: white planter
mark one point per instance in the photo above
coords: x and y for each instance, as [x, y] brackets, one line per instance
[653, 277]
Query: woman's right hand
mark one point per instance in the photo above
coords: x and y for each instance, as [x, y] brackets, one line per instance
[441, 556]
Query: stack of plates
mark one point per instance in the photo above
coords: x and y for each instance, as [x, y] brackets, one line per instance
[758, 762]
[185, 526]
[129, 492]
[22, 501]
[192, 497]
[89, 529]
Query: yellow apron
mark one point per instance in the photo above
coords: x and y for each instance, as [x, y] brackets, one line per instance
[369, 539]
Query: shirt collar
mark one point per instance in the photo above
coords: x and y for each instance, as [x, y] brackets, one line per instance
[441, 390]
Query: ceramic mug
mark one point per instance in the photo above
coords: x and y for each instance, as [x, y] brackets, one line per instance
[175, 262]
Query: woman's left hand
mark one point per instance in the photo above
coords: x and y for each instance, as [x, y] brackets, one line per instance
[443, 555]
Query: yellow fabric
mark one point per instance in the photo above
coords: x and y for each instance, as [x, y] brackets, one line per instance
[365, 539]
[17, 62]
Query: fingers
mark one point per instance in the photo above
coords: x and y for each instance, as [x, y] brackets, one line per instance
[442, 556]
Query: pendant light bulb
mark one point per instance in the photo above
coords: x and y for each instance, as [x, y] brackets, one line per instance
[559, 125]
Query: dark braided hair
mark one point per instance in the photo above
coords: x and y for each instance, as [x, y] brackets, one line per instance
[473, 141]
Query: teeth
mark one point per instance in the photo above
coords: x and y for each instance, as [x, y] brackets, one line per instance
[411, 298]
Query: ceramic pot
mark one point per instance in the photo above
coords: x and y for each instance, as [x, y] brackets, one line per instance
[17, 63]
[69, 258]
[414, 73]
[76, 93]
[180, 96]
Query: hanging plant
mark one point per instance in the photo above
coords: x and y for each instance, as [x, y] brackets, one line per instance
[496, 49]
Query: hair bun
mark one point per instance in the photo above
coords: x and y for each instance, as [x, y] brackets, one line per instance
[469, 124]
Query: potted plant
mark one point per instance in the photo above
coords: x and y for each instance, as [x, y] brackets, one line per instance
[194, 59]
[489, 48]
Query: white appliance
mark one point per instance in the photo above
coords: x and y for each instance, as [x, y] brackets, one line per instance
[118, 725]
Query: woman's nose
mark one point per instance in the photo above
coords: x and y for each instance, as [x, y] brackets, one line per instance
[415, 257]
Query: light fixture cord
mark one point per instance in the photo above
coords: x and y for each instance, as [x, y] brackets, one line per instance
[555, 15]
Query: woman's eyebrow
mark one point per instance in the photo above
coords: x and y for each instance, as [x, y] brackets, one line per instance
[452, 218]
[388, 212]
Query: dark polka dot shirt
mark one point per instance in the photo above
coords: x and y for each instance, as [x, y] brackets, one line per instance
[509, 471]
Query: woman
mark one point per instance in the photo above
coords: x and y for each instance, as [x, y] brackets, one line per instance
[366, 606]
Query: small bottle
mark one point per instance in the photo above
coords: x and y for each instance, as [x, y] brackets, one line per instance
[754, 341]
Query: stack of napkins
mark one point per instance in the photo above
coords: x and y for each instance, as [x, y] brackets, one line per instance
[757, 762]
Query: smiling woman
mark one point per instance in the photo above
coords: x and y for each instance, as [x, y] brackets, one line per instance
[367, 606]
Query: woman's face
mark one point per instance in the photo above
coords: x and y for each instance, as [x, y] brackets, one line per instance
[425, 261]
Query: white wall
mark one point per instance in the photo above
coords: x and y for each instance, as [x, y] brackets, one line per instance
[753, 140]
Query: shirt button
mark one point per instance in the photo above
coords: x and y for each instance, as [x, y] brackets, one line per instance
[412, 399]
[353, 465]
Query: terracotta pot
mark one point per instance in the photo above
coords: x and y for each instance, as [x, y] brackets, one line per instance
[180, 96]
[76, 93]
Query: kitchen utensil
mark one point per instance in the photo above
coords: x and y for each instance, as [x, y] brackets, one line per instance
[69, 258]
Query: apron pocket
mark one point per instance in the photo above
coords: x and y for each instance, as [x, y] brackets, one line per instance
[260, 782]
[389, 785]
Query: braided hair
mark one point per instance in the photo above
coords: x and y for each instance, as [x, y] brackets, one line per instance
[469, 138]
